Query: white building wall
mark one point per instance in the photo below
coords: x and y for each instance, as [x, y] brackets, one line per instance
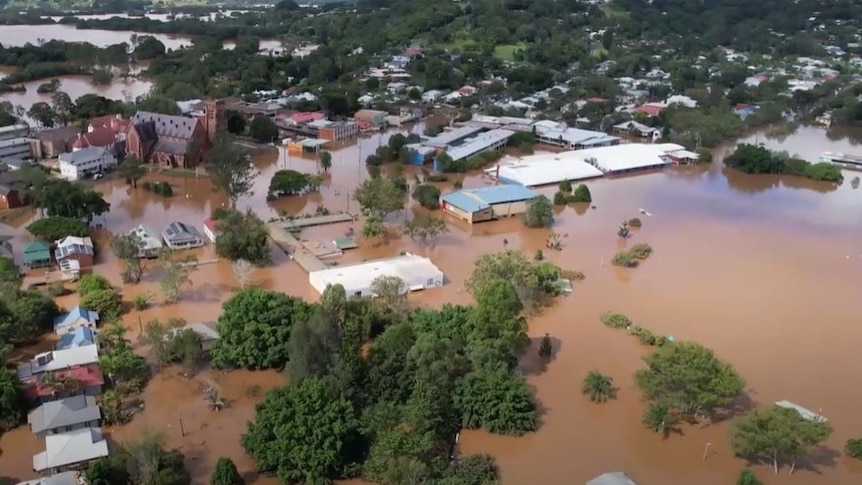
[76, 168]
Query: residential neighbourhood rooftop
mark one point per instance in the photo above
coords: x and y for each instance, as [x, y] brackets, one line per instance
[474, 200]
[59, 359]
[69, 448]
[80, 337]
[73, 316]
[64, 412]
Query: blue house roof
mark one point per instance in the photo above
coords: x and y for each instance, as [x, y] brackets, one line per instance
[76, 313]
[474, 200]
[80, 337]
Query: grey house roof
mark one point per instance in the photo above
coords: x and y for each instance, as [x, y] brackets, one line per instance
[167, 125]
[178, 233]
[83, 155]
[65, 412]
[64, 449]
[612, 478]
[65, 478]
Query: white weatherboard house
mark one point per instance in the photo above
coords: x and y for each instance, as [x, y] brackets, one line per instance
[76, 165]
[74, 449]
[417, 272]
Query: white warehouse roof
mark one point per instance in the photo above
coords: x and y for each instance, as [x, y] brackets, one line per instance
[631, 156]
[417, 272]
[544, 169]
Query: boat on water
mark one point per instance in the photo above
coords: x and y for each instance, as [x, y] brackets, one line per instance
[851, 162]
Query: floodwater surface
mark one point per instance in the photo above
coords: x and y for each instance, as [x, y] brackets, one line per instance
[763, 270]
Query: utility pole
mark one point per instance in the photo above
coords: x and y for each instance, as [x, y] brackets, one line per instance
[182, 428]
[706, 450]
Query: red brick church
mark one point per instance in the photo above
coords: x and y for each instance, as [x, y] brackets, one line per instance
[174, 141]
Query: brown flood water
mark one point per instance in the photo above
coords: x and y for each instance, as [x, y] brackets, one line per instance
[762, 270]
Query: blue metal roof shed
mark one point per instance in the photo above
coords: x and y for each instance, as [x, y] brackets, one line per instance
[475, 200]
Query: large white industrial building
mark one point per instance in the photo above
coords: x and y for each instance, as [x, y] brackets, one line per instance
[417, 272]
[550, 168]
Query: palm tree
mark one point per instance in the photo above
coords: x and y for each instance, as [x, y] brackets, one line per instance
[598, 387]
[215, 401]
[624, 231]
[660, 418]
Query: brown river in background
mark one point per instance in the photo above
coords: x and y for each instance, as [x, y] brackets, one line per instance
[764, 271]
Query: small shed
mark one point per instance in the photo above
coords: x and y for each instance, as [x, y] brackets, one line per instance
[37, 254]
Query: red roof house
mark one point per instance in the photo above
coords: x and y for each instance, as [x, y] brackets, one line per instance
[210, 229]
[84, 379]
[650, 110]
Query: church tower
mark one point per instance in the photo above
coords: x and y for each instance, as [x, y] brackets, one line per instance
[216, 119]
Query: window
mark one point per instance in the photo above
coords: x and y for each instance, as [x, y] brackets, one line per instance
[357, 293]
[430, 282]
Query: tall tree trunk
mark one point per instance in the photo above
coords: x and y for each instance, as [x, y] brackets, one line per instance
[775, 462]
[792, 466]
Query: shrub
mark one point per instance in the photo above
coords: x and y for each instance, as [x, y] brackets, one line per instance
[107, 303]
[458, 184]
[560, 198]
[142, 301]
[640, 251]
[747, 477]
[158, 187]
[428, 196]
[574, 275]
[853, 448]
[566, 187]
[704, 155]
[615, 320]
[57, 288]
[92, 282]
[540, 213]
[624, 259]
[436, 177]
[582, 194]
[635, 222]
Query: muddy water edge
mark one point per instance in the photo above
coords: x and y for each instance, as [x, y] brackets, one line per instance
[762, 270]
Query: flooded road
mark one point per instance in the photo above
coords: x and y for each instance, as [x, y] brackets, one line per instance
[763, 270]
[76, 86]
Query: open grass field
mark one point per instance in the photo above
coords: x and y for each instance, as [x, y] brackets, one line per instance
[612, 11]
[506, 52]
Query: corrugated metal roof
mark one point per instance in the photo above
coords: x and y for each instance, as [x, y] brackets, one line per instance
[464, 202]
[479, 143]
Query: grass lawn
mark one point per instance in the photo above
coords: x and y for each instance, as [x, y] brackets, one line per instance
[506, 52]
[613, 11]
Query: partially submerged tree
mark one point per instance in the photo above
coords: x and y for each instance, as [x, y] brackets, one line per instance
[242, 236]
[690, 379]
[379, 197]
[127, 248]
[427, 195]
[287, 182]
[598, 387]
[175, 273]
[778, 435]
[325, 161]
[229, 168]
[225, 473]
[425, 229]
[56, 228]
[540, 212]
[313, 347]
[392, 290]
[660, 418]
[132, 170]
[242, 271]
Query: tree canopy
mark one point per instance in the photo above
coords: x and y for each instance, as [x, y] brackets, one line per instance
[230, 168]
[690, 379]
[56, 228]
[242, 236]
[254, 328]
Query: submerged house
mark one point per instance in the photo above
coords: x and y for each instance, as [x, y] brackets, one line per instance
[418, 273]
[82, 336]
[149, 243]
[78, 249]
[37, 254]
[487, 203]
[612, 478]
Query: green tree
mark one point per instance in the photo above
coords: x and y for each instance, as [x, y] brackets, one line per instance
[689, 378]
[496, 400]
[243, 236]
[532, 282]
[582, 194]
[123, 365]
[175, 273]
[313, 347]
[132, 170]
[472, 470]
[546, 348]
[12, 402]
[43, 114]
[9, 272]
[303, 432]
[287, 182]
[598, 387]
[63, 106]
[235, 123]
[427, 195]
[24, 315]
[425, 229]
[778, 435]
[660, 418]
[389, 377]
[379, 197]
[91, 282]
[392, 291]
[107, 303]
[56, 228]
[747, 477]
[127, 248]
[373, 228]
[325, 161]
[334, 302]
[540, 212]
[225, 473]
[263, 129]
[254, 328]
[230, 168]
[853, 448]
[66, 199]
